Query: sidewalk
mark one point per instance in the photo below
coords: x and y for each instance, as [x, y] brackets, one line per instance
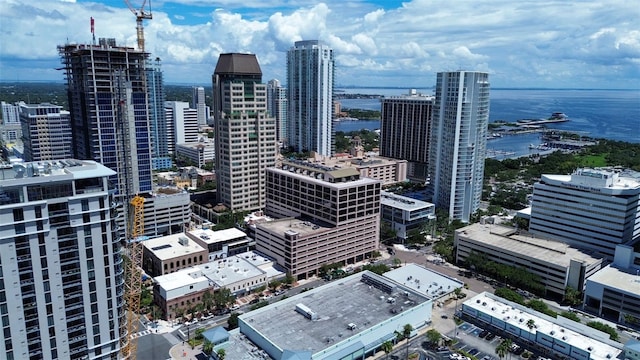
[184, 351]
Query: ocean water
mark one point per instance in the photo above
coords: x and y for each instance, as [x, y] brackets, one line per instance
[609, 114]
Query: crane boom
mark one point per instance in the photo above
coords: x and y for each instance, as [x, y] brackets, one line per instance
[133, 279]
[140, 14]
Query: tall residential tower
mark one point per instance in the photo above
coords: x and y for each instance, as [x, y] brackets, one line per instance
[458, 142]
[61, 273]
[46, 132]
[277, 105]
[245, 132]
[310, 76]
[404, 131]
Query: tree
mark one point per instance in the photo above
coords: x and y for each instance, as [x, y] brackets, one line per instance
[531, 324]
[613, 334]
[406, 333]
[221, 354]
[387, 347]
[572, 296]
[233, 320]
[503, 348]
[273, 285]
[222, 298]
[207, 299]
[207, 347]
[433, 337]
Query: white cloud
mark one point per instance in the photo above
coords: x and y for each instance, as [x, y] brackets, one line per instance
[524, 43]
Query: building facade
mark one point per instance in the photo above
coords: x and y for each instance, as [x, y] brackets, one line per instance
[404, 214]
[109, 106]
[171, 253]
[310, 79]
[591, 209]
[199, 102]
[404, 131]
[457, 148]
[46, 132]
[157, 119]
[277, 105]
[184, 123]
[614, 292]
[336, 211]
[61, 273]
[197, 153]
[245, 136]
[556, 264]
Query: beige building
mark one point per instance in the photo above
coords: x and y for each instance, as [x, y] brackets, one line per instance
[168, 254]
[221, 243]
[336, 216]
[557, 264]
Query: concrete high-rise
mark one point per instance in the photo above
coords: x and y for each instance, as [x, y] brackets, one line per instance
[46, 132]
[109, 105]
[245, 136]
[61, 273]
[404, 131]
[184, 122]
[277, 105]
[310, 78]
[199, 103]
[458, 142]
[10, 114]
[157, 119]
[590, 209]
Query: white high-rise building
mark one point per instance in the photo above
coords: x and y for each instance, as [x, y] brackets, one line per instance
[61, 273]
[245, 133]
[590, 209]
[184, 122]
[277, 105]
[46, 132]
[10, 113]
[458, 142]
[199, 103]
[310, 78]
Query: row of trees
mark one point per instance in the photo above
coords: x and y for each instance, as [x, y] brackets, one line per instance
[515, 276]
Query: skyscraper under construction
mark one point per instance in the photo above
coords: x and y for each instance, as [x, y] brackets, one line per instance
[109, 109]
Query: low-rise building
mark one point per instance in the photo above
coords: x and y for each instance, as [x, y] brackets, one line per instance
[632, 350]
[404, 214]
[614, 291]
[222, 243]
[345, 319]
[240, 274]
[171, 253]
[557, 264]
[558, 338]
[424, 281]
[199, 153]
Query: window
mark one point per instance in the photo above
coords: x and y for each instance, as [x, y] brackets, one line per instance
[18, 214]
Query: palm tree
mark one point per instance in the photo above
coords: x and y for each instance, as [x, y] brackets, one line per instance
[503, 349]
[406, 332]
[531, 324]
[221, 354]
[387, 347]
[207, 299]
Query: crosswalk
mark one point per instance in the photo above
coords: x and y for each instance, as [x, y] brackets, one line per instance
[141, 333]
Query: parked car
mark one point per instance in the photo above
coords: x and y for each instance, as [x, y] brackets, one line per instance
[483, 333]
[473, 351]
[491, 336]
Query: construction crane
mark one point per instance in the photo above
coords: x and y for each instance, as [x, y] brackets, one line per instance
[133, 278]
[140, 14]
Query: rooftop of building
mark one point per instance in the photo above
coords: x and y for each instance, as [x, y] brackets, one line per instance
[425, 281]
[210, 236]
[403, 202]
[63, 169]
[235, 63]
[510, 240]
[576, 334]
[172, 246]
[601, 178]
[337, 305]
[181, 278]
[611, 276]
[230, 270]
[335, 177]
[292, 226]
[197, 145]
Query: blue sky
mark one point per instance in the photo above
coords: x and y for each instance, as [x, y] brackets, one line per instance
[526, 43]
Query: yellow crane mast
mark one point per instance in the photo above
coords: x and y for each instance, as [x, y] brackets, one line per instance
[140, 15]
[133, 278]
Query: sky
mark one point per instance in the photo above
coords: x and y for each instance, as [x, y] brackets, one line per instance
[376, 43]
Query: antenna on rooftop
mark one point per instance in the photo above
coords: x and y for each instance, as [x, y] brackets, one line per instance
[93, 32]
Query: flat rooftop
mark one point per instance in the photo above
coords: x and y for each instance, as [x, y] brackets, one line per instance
[169, 247]
[336, 304]
[422, 280]
[576, 334]
[403, 202]
[230, 270]
[211, 237]
[16, 174]
[302, 227]
[178, 279]
[506, 238]
[626, 280]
